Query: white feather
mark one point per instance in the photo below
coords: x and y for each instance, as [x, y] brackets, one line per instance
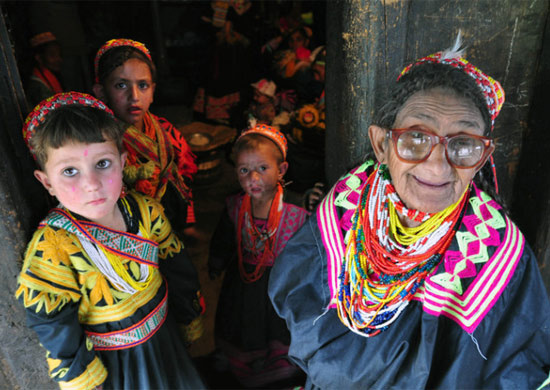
[456, 50]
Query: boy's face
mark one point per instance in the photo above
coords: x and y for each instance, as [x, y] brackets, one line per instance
[51, 57]
[128, 91]
[85, 178]
[260, 97]
[259, 172]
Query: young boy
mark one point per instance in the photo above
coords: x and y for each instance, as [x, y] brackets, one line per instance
[103, 267]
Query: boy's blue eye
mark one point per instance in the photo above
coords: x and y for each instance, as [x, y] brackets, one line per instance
[262, 168]
[69, 172]
[103, 164]
[243, 171]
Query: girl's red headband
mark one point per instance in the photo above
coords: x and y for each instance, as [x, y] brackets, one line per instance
[116, 43]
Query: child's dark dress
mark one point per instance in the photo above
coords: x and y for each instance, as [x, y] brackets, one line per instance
[248, 331]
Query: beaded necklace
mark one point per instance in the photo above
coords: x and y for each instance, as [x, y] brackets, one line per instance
[260, 243]
[379, 274]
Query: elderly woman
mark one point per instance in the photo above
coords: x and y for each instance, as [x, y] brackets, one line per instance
[411, 275]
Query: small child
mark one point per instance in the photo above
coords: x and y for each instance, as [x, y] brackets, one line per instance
[104, 278]
[251, 234]
[160, 162]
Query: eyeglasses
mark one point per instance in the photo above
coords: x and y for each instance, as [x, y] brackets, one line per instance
[415, 145]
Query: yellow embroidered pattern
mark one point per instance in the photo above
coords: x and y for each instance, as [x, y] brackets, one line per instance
[57, 271]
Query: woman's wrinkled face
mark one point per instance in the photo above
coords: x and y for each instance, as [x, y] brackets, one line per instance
[434, 184]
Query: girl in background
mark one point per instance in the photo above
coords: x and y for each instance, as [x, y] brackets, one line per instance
[160, 163]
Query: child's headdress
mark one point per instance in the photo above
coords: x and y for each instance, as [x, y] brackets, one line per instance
[270, 132]
[38, 115]
[490, 88]
[42, 38]
[117, 43]
[266, 87]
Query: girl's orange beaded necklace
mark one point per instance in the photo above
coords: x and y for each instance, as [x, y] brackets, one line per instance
[258, 243]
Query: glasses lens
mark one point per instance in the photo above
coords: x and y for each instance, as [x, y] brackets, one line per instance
[414, 145]
[465, 151]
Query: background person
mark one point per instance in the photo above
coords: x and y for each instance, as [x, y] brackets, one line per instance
[44, 80]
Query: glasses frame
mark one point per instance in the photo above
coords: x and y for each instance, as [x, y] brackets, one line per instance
[488, 143]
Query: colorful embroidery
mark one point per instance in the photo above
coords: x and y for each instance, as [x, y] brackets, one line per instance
[94, 375]
[152, 161]
[57, 271]
[134, 335]
[473, 277]
[345, 194]
[444, 291]
[122, 244]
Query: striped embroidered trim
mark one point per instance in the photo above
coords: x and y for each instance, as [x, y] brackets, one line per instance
[470, 308]
[120, 243]
[94, 375]
[327, 220]
[333, 241]
[134, 335]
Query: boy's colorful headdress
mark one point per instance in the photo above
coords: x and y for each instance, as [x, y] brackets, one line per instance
[490, 88]
[42, 38]
[117, 43]
[266, 87]
[38, 115]
[272, 133]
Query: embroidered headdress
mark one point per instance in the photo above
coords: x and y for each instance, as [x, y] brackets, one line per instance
[490, 88]
[270, 132]
[266, 87]
[117, 43]
[42, 38]
[38, 115]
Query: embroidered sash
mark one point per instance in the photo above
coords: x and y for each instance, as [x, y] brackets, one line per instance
[127, 245]
[474, 276]
[154, 145]
[133, 335]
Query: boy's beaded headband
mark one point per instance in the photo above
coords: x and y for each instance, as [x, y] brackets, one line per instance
[272, 133]
[490, 88]
[117, 43]
[38, 115]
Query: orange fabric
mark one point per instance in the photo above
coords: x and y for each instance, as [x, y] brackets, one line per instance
[48, 78]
